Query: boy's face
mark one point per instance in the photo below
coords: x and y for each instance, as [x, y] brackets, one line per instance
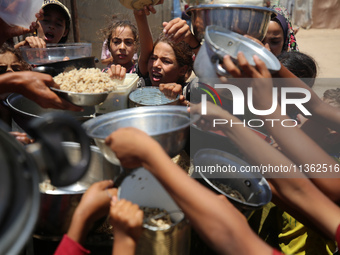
[53, 26]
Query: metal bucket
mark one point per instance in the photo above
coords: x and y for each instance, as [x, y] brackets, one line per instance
[142, 188]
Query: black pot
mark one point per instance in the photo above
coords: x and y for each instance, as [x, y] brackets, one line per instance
[56, 68]
[23, 110]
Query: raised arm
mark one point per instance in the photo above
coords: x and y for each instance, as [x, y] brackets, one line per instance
[145, 39]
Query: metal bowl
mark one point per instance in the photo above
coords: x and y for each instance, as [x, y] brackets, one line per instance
[81, 99]
[242, 19]
[57, 205]
[251, 185]
[169, 125]
[150, 96]
[23, 110]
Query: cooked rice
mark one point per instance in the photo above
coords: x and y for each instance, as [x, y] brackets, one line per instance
[86, 80]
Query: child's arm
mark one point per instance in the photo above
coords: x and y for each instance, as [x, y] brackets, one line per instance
[126, 219]
[146, 42]
[94, 205]
[321, 111]
[294, 143]
[220, 224]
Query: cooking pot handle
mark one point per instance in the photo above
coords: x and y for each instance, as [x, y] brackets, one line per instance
[49, 131]
[219, 69]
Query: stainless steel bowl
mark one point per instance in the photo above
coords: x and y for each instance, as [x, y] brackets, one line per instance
[57, 206]
[169, 125]
[150, 96]
[242, 19]
[81, 99]
[251, 185]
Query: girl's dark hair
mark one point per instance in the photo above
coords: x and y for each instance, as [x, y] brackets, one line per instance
[301, 65]
[17, 53]
[183, 53]
[113, 25]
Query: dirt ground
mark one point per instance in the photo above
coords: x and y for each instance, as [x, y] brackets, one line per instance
[324, 46]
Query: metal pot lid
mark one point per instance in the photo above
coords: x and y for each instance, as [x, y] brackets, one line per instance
[19, 191]
[223, 42]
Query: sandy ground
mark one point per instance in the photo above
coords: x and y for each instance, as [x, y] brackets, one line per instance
[324, 46]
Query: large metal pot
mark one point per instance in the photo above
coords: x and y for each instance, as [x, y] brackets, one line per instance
[21, 169]
[58, 204]
[242, 19]
[23, 110]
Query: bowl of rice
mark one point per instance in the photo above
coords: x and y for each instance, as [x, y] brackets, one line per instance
[85, 86]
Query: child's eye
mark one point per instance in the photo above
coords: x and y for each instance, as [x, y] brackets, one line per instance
[116, 42]
[129, 43]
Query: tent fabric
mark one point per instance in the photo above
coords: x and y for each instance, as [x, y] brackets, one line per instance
[326, 14]
[312, 14]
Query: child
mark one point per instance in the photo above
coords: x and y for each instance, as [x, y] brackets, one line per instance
[280, 35]
[11, 60]
[217, 221]
[301, 65]
[54, 28]
[169, 59]
[125, 217]
[120, 45]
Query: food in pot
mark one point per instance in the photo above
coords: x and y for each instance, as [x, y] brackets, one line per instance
[156, 217]
[86, 80]
[46, 186]
[229, 191]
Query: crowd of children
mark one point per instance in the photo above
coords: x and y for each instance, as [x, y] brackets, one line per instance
[307, 199]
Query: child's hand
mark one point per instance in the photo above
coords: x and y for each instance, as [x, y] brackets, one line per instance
[261, 83]
[33, 42]
[126, 219]
[94, 205]
[95, 202]
[171, 90]
[180, 31]
[132, 146]
[117, 72]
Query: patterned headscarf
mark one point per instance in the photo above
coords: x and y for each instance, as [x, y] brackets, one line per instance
[283, 19]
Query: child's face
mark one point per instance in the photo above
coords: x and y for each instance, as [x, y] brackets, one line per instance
[163, 66]
[274, 38]
[122, 46]
[53, 26]
[9, 63]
